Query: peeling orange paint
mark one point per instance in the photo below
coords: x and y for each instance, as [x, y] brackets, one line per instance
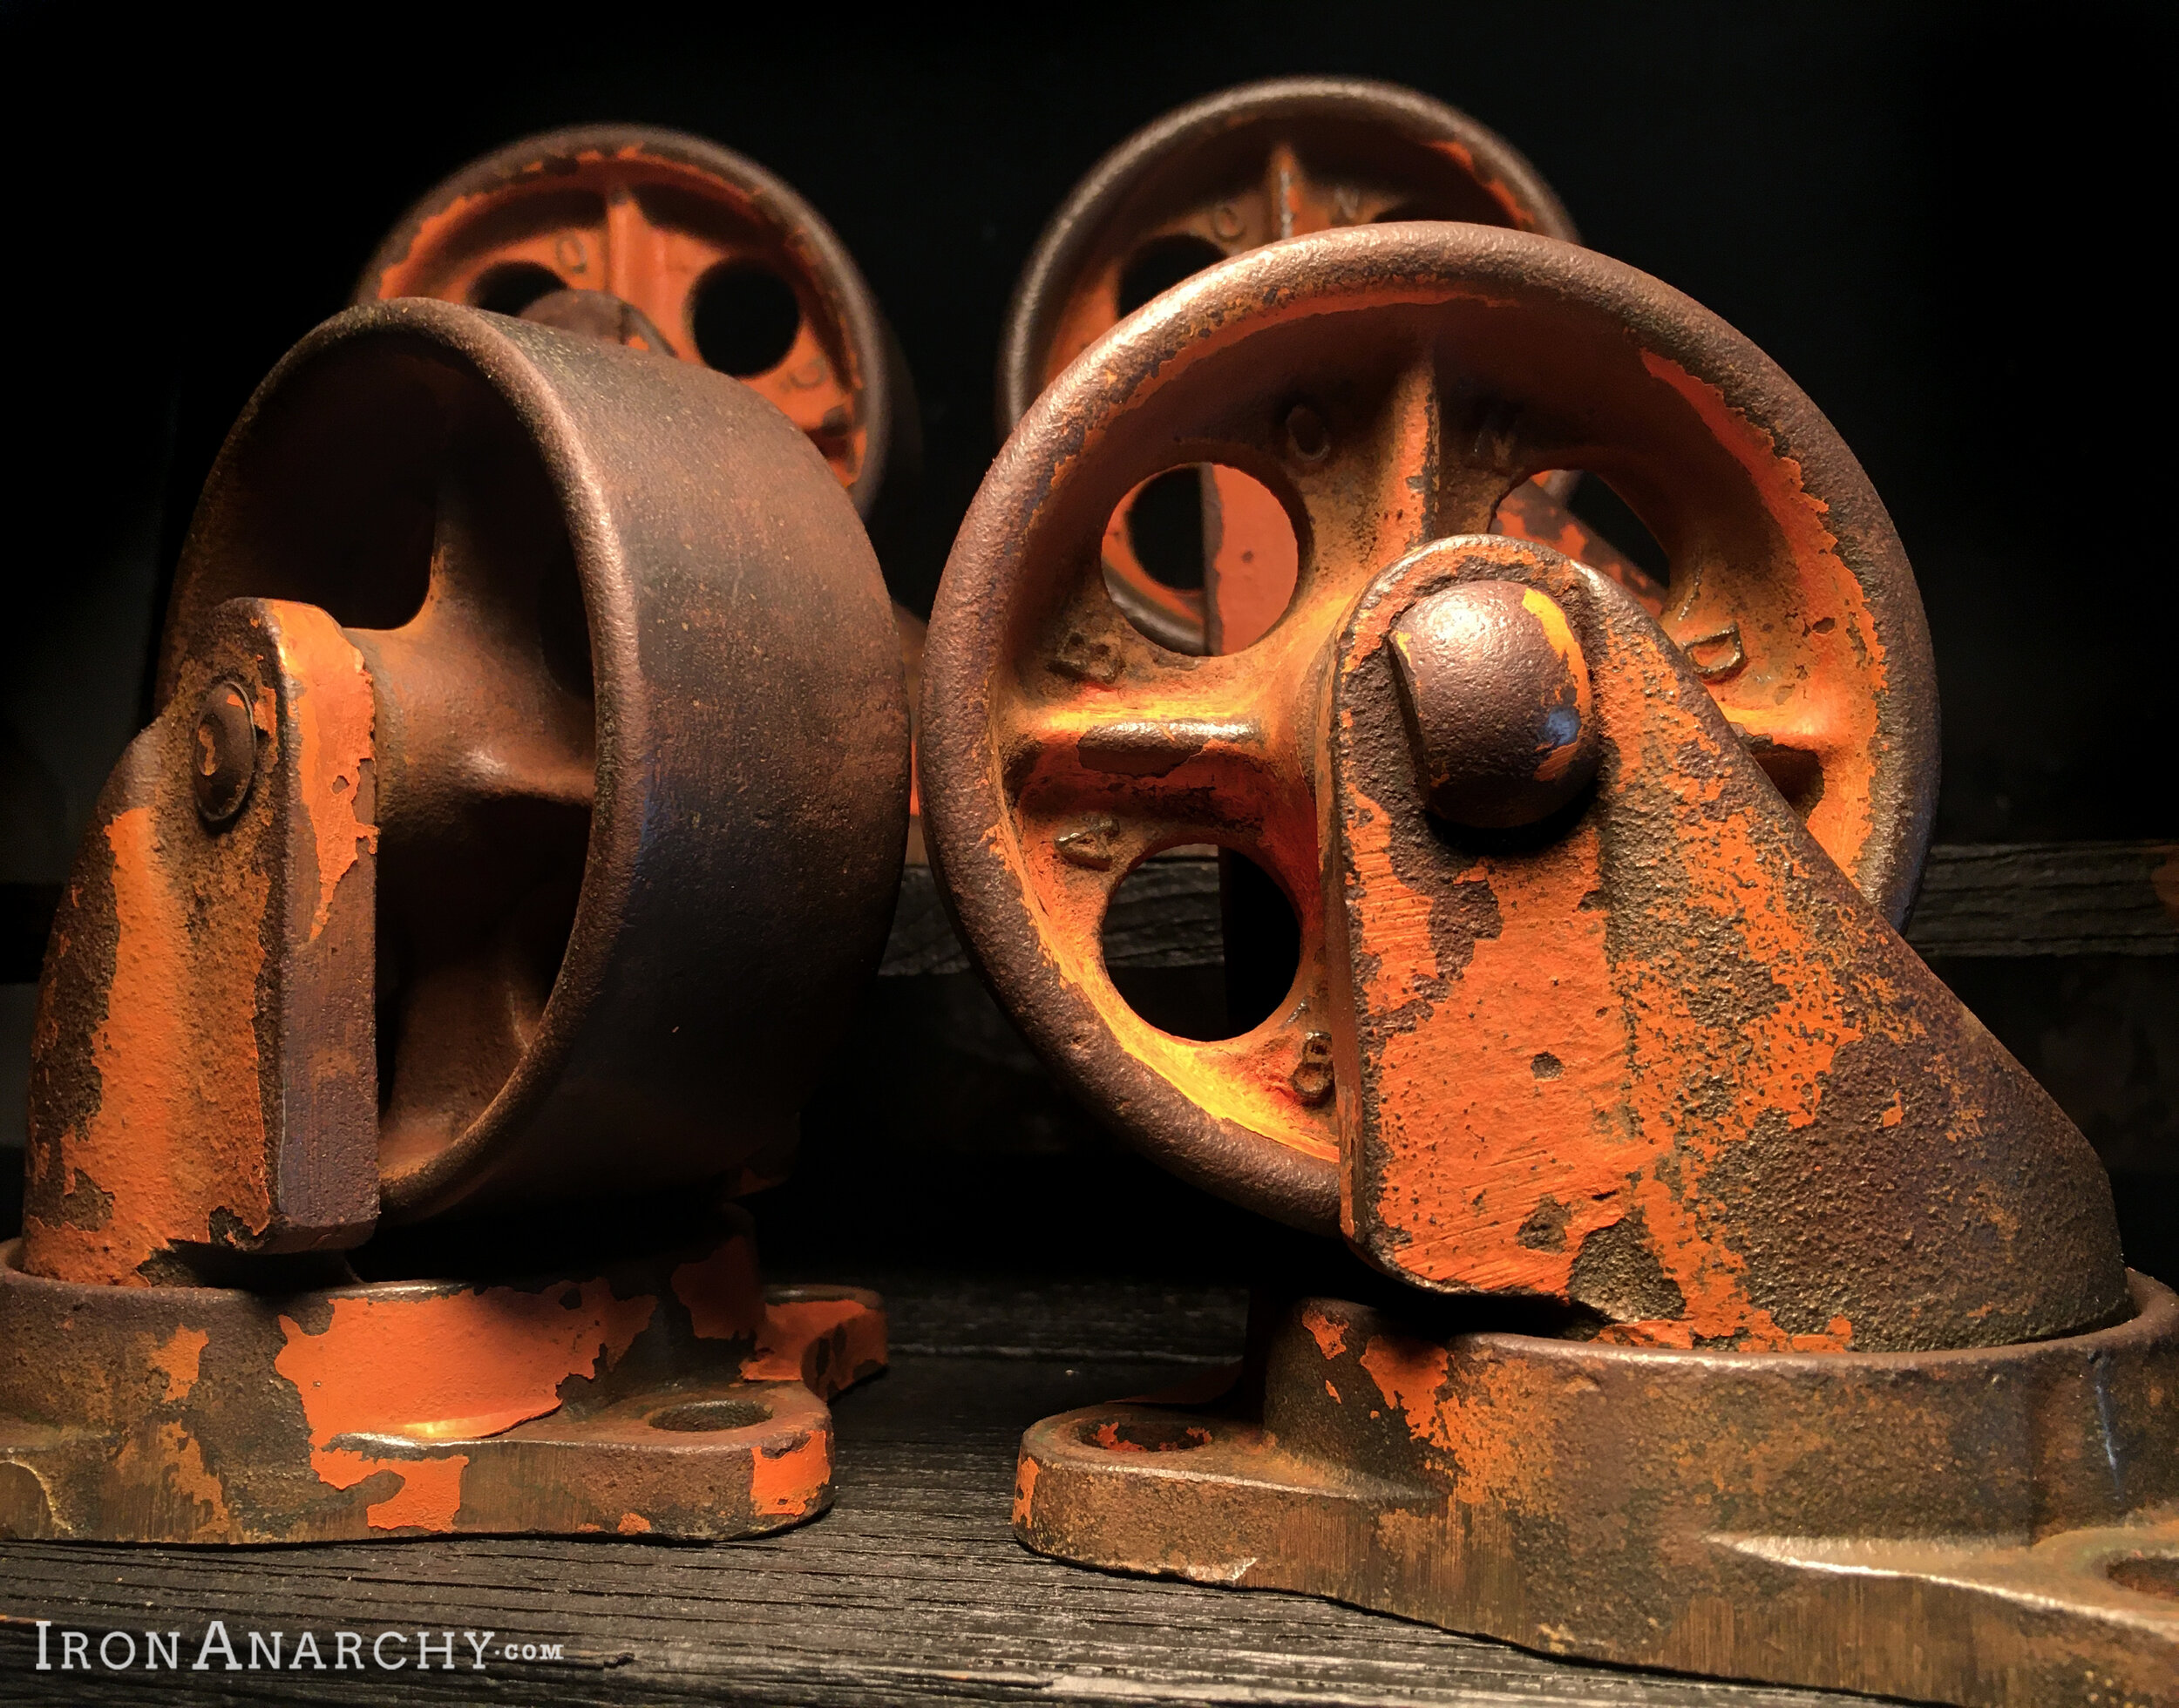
[792, 1329]
[1817, 668]
[447, 1367]
[455, 1365]
[721, 1293]
[1410, 1374]
[177, 1359]
[334, 713]
[789, 1483]
[1024, 1488]
[178, 1130]
[1330, 1336]
[428, 1496]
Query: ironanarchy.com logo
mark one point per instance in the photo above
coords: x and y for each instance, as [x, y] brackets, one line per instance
[65, 1650]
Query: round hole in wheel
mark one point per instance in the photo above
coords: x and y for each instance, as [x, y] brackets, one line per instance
[512, 286]
[743, 318]
[1183, 980]
[1201, 558]
[1143, 1434]
[1580, 513]
[710, 1416]
[1162, 263]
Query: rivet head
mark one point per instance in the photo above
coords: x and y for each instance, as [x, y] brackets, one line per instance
[223, 753]
[1496, 692]
[1313, 1076]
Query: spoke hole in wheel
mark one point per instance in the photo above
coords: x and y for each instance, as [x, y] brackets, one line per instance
[1164, 527]
[743, 318]
[1162, 263]
[1175, 979]
[1202, 558]
[1579, 513]
[702, 1416]
[1795, 774]
[1606, 514]
[512, 286]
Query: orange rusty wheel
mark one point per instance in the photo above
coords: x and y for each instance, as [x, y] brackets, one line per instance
[727, 263]
[1243, 167]
[1385, 386]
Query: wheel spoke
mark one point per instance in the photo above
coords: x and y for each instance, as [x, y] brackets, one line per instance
[486, 756]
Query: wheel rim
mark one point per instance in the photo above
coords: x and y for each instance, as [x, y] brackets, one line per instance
[1451, 363]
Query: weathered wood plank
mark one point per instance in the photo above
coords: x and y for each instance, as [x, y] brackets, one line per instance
[2001, 899]
[2048, 898]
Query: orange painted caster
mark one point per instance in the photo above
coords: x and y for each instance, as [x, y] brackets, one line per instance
[654, 238]
[523, 815]
[1715, 1294]
[1251, 165]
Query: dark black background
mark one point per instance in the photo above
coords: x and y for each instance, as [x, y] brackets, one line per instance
[1945, 222]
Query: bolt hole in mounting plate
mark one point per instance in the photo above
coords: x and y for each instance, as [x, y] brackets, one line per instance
[1142, 1433]
[1449, 364]
[571, 675]
[709, 1416]
[727, 262]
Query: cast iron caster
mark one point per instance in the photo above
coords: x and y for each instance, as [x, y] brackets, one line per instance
[524, 811]
[1827, 1369]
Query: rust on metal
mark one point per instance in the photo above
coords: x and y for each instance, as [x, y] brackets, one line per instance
[202, 1076]
[1829, 1371]
[630, 1399]
[1944, 1527]
[1257, 164]
[1494, 691]
[503, 658]
[500, 515]
[648, 236]
[1659, 1061]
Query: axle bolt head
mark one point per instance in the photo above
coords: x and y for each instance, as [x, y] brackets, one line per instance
[223, 753]
[1496, 694]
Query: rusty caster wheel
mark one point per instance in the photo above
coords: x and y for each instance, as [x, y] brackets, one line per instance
[697, 251]
[1386, 386]
[640, 749]
[1247, 167]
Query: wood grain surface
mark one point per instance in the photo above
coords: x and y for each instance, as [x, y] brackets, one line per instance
[2003, 900]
